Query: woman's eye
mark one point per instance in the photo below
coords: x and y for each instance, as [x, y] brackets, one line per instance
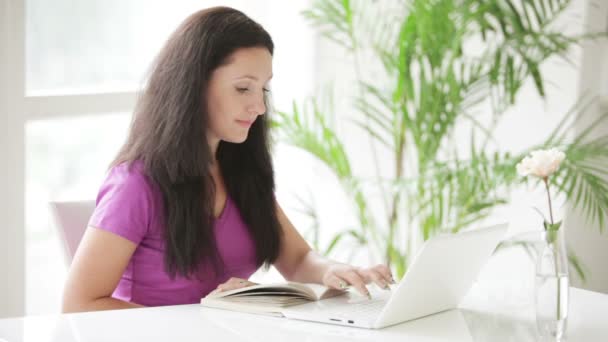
[244, 90]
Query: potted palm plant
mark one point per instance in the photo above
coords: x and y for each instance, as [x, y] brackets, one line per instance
[429, 85]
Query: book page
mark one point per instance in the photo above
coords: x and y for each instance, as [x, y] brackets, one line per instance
[265, 289]
[292, 289]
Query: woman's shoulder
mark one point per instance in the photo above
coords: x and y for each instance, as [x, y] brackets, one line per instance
[128, 203]
[131, 175]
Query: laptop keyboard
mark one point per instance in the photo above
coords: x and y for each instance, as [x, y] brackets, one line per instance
[367, 309]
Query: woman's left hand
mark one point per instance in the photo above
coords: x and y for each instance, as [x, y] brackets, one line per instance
[340, 276]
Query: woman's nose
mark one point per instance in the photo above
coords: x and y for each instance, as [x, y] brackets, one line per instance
[258, 108]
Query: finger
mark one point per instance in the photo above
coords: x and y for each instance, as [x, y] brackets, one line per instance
[235, 283]
[240, 282]
[365, 275]
[336, 282]
[385, 272]
[235, 280]
[376, 277]
[353, 278]
[228, 287]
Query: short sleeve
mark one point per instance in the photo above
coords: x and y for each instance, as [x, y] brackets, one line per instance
[125, 203]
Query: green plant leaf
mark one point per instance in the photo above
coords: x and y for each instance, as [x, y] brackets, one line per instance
[552, 227]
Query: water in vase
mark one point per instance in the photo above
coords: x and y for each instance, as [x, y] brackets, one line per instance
[552, 304]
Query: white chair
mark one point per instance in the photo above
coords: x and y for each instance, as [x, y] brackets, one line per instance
[71, 219]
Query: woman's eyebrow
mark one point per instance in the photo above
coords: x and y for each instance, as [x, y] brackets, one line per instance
[252, 77]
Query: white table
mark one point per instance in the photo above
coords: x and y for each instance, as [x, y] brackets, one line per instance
[478, 320]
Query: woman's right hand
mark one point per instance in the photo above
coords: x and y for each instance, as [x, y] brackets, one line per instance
[233, 283]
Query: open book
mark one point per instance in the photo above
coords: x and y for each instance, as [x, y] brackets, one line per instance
[268, 299]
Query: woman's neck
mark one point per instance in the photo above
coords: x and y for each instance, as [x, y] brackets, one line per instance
[214, 169]
[213, 143]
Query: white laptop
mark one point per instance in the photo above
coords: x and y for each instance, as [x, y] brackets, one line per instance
[439, 277]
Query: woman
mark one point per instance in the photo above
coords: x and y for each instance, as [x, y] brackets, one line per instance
[188, 205]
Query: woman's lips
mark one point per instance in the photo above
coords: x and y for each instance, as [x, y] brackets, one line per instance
[245, 123]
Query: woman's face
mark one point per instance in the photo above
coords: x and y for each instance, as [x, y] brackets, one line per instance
[235, 94]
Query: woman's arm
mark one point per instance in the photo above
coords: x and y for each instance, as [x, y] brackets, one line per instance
[99, 263]
[298, 262]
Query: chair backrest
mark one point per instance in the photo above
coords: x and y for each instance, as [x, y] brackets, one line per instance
[71, 219]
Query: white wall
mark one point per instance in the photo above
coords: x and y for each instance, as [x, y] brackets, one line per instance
[591, 246]
[12, 233]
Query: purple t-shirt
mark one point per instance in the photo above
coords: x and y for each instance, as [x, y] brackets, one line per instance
[130, 205]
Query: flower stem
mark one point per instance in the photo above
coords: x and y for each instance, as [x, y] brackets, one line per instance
[546, 180]
[559, 282]
[556, 252]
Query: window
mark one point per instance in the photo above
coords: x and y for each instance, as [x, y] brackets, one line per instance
[100, 46]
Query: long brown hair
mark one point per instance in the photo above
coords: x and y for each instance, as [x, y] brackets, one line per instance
[168, 134]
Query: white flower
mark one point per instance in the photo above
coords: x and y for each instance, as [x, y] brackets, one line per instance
[541, 163]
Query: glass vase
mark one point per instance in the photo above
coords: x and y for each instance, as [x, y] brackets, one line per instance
[552, 286]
